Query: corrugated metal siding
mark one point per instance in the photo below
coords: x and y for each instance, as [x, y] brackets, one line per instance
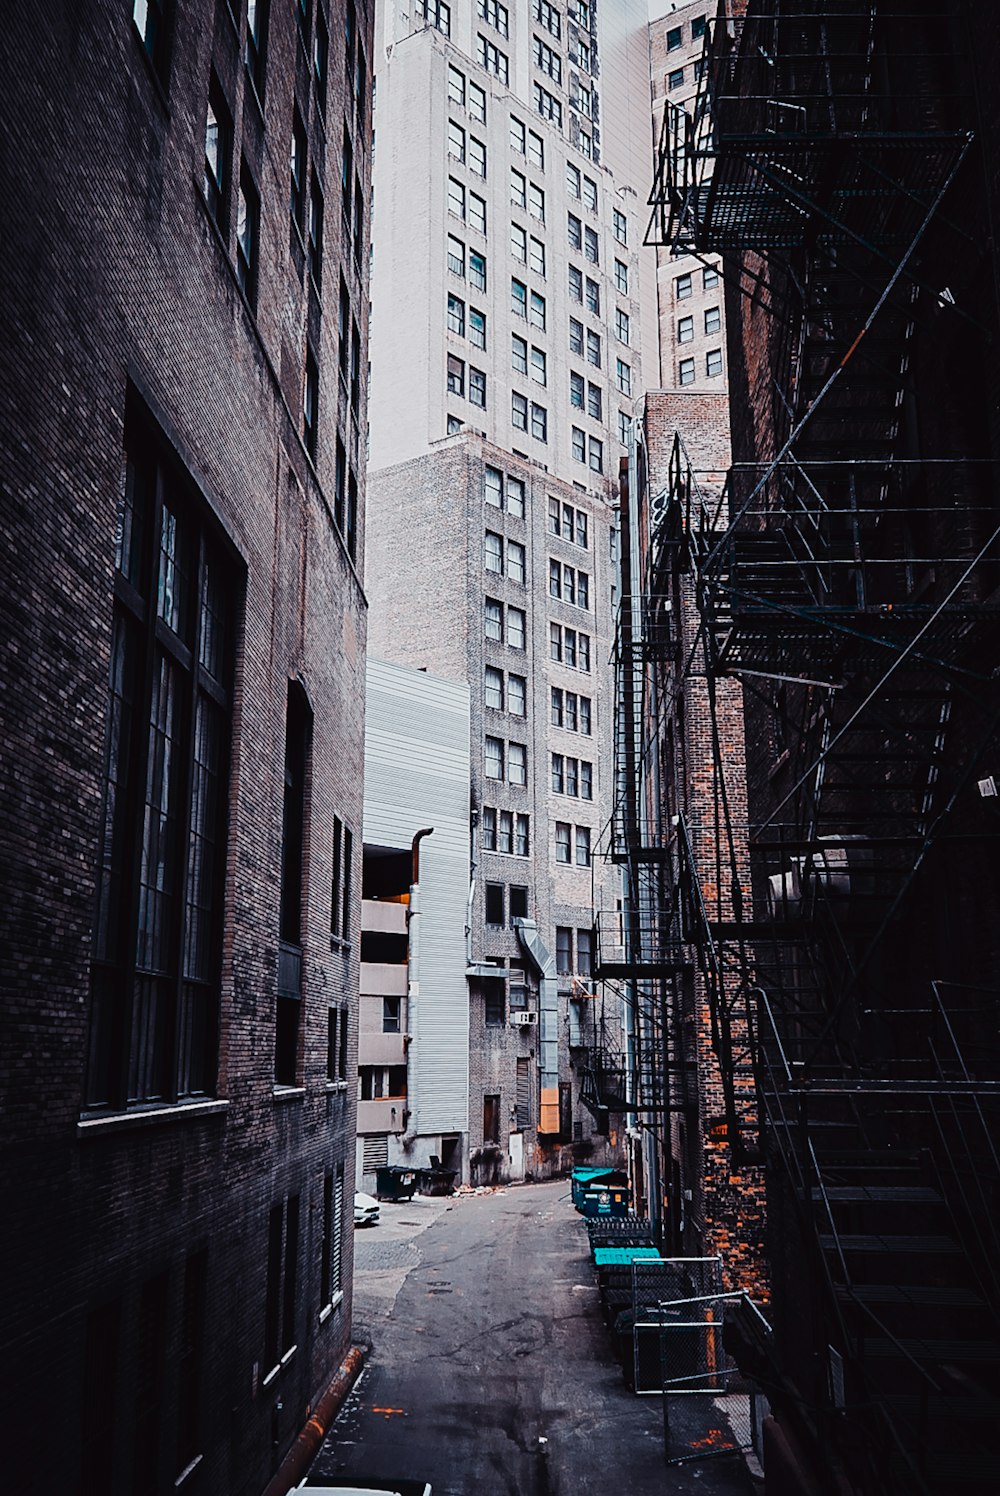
[416, 775]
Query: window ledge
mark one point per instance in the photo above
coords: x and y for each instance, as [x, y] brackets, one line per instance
[91, 1127]
[188, 1470]
[335, 1303]
[289, 1093]
[334, 1086]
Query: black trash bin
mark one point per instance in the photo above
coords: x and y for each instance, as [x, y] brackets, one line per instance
[435, 1180]
[395, 1182]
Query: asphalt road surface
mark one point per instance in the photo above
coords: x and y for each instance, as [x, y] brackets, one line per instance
[491, 1372]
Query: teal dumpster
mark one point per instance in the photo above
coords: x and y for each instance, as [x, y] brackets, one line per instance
[606, 1200]
[584, 1179]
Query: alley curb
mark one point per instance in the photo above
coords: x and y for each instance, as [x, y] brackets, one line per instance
[298, 1459]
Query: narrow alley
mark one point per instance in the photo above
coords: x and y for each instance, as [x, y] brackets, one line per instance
[491, 1369]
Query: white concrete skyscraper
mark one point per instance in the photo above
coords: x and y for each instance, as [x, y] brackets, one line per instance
[512, 163]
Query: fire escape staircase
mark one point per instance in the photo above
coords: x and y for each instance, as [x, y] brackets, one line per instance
[861, 590]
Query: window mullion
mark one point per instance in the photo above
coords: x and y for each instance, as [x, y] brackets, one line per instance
[186, 795]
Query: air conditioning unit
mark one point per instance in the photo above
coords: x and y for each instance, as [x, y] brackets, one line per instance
[523, 1020]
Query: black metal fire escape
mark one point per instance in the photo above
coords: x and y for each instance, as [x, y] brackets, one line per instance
[850, 578]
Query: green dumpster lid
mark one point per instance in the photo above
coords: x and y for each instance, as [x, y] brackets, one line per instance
[622, 1256]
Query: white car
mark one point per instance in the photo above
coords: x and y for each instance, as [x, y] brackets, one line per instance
[366, 1210]
[322, 1486]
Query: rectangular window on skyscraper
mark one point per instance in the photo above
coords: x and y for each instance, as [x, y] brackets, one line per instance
[493, 60]
[547, 61]
[494, 14]
[546, 15]
[547, 106]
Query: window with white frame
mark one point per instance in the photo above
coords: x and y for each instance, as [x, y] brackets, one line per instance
[683, 287]
[685, 329]
[456, 375]
[493, 487]
[713, 319]
[493, 620]
[685, 371]
[709, 278]
[456, 198]
[494, 758]
[713, 362]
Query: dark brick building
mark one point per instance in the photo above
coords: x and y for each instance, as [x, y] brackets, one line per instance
[183, 335]
[842, 157]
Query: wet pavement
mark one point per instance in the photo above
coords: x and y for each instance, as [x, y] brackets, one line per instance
[491, 1369]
